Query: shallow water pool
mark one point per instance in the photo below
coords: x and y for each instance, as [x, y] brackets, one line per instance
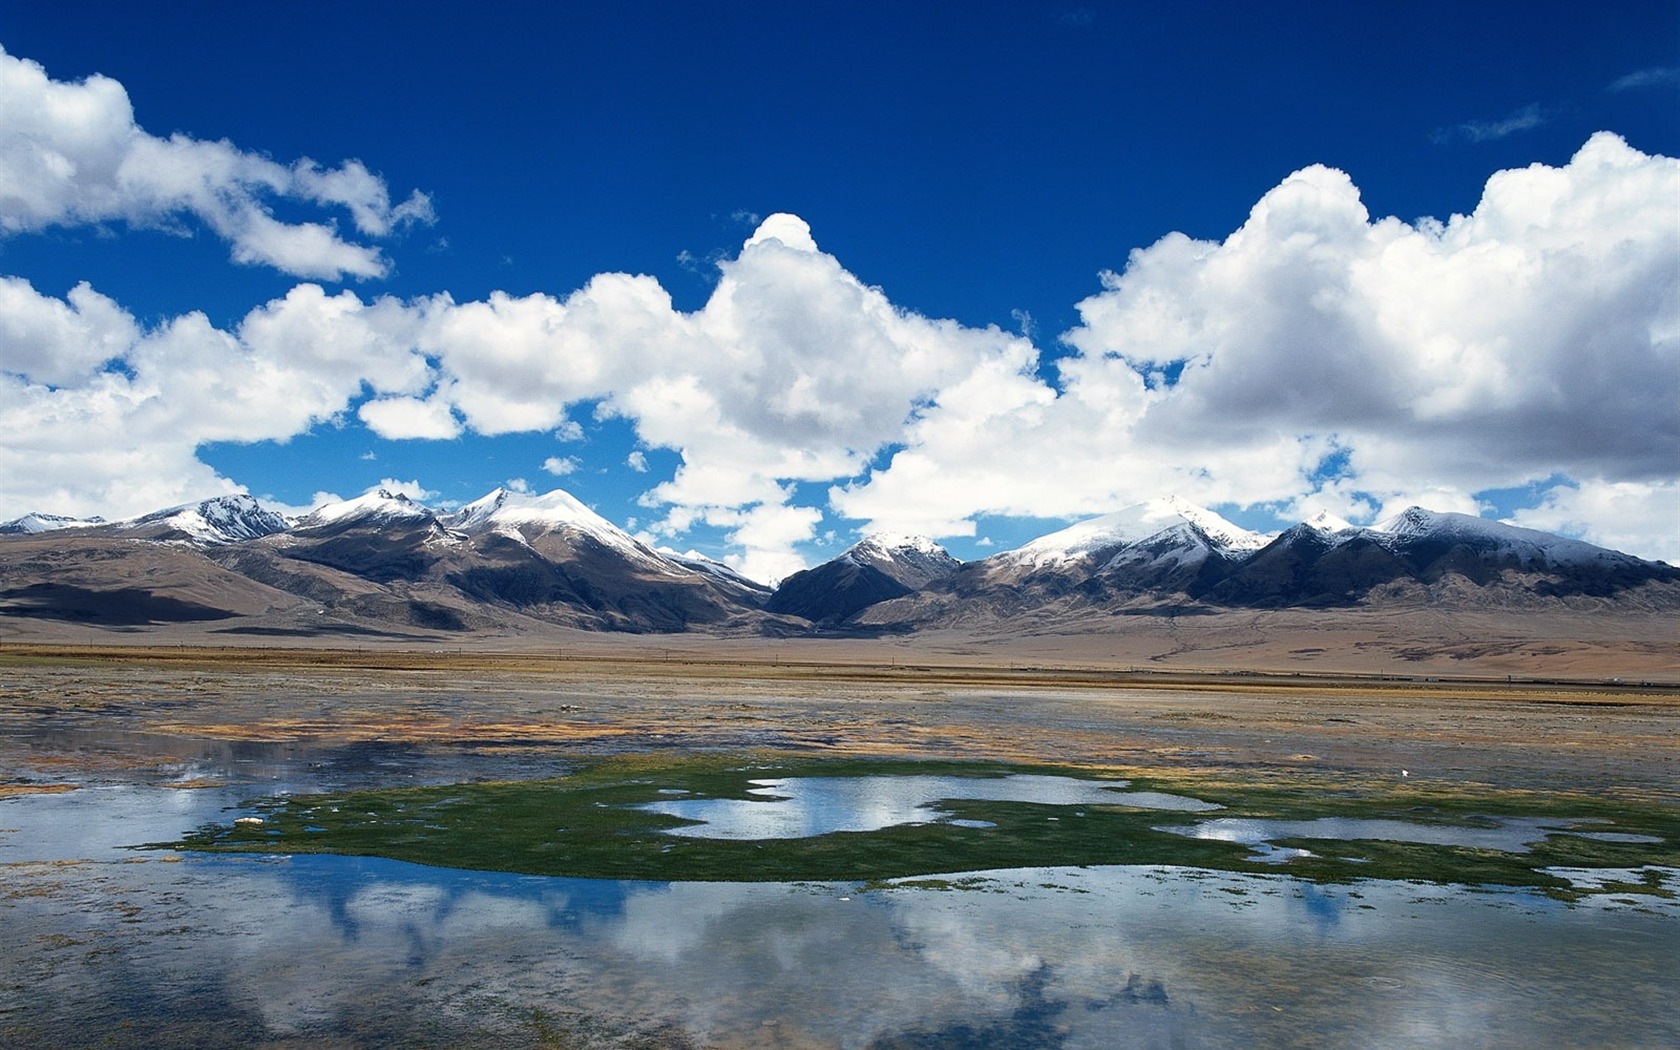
[804, 807]
[114, 947]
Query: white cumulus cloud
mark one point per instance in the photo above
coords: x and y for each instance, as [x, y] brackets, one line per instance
[1638, 517]
[1538, 335]
[72, 154]
[1317, 358]
[116, 430]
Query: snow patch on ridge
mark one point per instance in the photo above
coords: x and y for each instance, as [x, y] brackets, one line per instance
[36, 522]
[379, 505]
[1134, 525]
[1510, 540]
[223, 519]
[510, 512]
[1327, 523]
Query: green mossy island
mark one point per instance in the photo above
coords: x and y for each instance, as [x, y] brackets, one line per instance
[587, 825]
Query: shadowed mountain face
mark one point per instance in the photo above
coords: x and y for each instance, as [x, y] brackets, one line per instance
[834, 591]
[876, 570]
[382, 564]
[113, 607]
[1199, 563]
[1421, 553]
[99, 581]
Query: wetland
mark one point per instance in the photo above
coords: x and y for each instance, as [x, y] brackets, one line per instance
[407, 850]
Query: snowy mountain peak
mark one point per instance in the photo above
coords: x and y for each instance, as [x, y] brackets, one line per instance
[890, 543]
[380, 504]
[1135, 524]
[1417, 522]
[222, 519]
[558, 509]
[913, 561]
[1327, 523]
[37, 522]
[1414, 521]
[1512, 541]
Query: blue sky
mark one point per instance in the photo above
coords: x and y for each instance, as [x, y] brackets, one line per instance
[931, 345]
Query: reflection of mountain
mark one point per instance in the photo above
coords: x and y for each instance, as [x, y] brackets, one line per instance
[326, 949]
[1037, 1022]
[339, 886]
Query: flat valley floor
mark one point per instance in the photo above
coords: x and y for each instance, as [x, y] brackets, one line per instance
[142, 949]
[649, 696]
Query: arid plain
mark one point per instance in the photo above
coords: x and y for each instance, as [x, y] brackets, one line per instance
[1491, 699]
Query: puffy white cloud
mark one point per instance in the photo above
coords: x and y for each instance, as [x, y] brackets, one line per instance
[71, 153]
[1538, 335]
[297, 510]
[1633, 516]
[792, 371]
[58, 342]
[115, 430]
[397, 418]
[397, 487]
[1316, 358]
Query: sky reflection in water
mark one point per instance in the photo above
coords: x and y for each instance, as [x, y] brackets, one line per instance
[1067, 958]
[1506, 834]
[803, 807]
[148, 951]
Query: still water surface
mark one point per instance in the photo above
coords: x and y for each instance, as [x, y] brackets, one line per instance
[802, 807]
[106, 946]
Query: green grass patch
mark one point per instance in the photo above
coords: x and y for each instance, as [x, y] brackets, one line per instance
[584, 825]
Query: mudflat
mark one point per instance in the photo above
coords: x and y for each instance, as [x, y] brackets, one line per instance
[69, 712]
[335, 930]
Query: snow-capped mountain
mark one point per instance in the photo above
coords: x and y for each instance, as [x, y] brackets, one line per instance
[387, 564]
[373, 508]
[224, 519]
[552, 510]
[546, 556]
[36, 522]
[1327, 523]
[1415, 528]
[1423, 555]
[1169, 555]
[530, 516]
[1164, 546]
[1100, 540]
[876, 569]
[914, 561]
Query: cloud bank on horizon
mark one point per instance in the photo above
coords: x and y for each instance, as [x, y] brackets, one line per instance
[1316, 358]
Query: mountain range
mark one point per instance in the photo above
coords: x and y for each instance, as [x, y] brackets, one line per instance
[383, 564]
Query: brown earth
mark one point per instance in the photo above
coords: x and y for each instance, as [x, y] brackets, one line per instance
[644, 695]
